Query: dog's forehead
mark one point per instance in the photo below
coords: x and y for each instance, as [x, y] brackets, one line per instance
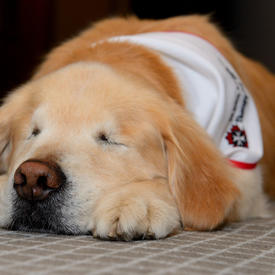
[82, 82]
[86, 91]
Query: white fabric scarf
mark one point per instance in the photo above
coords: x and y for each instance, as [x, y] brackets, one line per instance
[213, 92]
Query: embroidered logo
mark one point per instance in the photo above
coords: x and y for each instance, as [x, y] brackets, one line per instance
[237, 137]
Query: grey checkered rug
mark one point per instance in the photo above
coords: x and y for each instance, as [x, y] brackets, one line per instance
[240, 248]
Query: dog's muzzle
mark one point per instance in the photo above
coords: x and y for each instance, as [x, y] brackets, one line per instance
[42, 199]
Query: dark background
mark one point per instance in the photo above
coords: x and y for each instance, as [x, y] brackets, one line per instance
[30, 28]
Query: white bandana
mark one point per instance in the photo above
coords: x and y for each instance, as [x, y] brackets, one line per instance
[213, 92]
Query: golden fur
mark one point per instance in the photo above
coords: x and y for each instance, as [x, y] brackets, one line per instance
[163, 181]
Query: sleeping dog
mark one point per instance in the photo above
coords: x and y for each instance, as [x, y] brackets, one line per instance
[135, 129]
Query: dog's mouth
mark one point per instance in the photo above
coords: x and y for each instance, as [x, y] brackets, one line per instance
[47, 216]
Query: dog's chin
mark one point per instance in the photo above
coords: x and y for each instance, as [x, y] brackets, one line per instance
[47, 216]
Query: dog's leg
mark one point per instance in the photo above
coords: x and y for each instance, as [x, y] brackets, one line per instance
[137, 210]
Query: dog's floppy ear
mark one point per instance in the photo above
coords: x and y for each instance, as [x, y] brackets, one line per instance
[199, 177]
[13, 108]
[5, 127]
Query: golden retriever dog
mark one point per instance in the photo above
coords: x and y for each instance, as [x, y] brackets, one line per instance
[103, 140]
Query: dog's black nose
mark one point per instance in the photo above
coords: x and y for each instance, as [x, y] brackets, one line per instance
[36, 179]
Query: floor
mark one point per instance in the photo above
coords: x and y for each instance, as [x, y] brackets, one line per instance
[240, 248]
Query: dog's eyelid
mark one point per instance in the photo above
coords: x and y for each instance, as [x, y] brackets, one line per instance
[35, 132]
[104, 138]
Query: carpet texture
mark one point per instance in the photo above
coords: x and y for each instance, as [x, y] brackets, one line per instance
[240, 248]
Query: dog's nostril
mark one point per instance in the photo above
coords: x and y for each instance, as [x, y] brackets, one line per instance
[24, 179]
[19, 178]
[42, 182]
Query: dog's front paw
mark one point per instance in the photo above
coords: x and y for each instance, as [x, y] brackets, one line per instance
[134, 215]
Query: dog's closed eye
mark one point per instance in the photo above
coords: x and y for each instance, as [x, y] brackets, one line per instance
[104, 138]
[35, 132]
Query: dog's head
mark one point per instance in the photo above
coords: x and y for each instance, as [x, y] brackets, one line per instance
[70, 136]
